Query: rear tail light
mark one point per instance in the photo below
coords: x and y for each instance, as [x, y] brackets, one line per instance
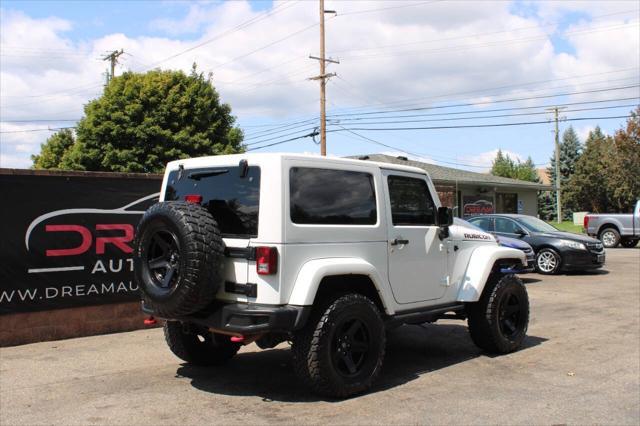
[585, 222]
[193, 198]
[266, 260]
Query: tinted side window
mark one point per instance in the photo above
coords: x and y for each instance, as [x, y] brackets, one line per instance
[411, 203]
[484, 223]
[232, 200]
[506, 226]
[331, 197]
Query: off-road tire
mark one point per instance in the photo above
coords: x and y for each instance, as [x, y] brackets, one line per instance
[486, 320]
[629, 242]
[197, 345]
[198, 266]
[611, 236]
[314, 346]
[552, 255]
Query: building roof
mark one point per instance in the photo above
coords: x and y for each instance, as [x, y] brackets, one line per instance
[440, 174]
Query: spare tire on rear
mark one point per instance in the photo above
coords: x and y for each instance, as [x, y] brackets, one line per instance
[178, 259]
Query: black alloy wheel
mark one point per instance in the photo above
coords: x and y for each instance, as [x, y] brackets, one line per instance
[162, 258]
[350, 347]
[509, 317]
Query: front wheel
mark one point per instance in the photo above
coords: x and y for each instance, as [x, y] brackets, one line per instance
[629, 243]
[340, 351]
[610, 238]
[548, 261]
[498, 321]
[197, 345]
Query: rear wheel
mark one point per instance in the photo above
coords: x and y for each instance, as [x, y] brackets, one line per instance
[610, 238]
[548, 261]
[498, 321]
[340, 351]
[197, 345]
[629, 243]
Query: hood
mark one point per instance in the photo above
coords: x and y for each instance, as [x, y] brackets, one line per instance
[567, 236]
[513, 243]
[462, 230]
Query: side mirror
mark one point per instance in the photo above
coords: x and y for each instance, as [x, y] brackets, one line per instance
[445, 216]
[520, 232]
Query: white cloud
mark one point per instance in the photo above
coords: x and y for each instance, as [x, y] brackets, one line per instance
[583, 132]
[483, 161]
[437, 55]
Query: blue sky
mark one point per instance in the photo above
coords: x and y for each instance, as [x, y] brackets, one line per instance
[442, 53]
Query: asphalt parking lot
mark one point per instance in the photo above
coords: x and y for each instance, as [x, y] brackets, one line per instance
[580, 365]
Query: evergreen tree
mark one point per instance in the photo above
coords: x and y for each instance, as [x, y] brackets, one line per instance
[570, 151]
[588, 187]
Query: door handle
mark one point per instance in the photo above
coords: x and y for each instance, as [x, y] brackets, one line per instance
[397, 241]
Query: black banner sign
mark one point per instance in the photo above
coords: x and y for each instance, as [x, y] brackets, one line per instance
[67, 240]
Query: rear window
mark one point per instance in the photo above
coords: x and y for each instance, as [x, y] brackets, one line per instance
[331, 197]
[232, 200]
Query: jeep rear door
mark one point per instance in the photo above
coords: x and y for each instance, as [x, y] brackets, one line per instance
[418, 269]
[233, 199]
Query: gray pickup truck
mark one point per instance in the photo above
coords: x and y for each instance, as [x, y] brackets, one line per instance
[613, 229]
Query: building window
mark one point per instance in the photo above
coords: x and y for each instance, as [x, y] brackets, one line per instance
[506, 203]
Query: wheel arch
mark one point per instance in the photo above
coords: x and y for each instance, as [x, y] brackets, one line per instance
[322, 277]
[606, 226]
[483, 262]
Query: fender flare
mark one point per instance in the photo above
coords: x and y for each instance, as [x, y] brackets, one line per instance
[312, 272]
[479, 268]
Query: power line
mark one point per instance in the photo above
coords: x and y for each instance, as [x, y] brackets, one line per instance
[476, 35]
[380, 9]
[461, 47]
[49, 129]
[510, 86]
[309, 135]
[490, 102]
[492, 116]
[474, 126]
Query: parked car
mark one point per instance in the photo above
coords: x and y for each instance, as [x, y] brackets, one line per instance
[511, 243]
[326, 253]
[613, 229]
[556, 251]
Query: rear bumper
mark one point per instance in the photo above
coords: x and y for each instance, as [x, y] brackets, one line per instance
[247, 318]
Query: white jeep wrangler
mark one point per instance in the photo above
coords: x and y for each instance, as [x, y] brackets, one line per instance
[326, 253]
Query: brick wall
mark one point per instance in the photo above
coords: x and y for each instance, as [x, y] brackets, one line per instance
[18, 329]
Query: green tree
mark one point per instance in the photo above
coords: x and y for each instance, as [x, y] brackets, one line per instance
[52, 151]
[504, 166]
[570, 151]
[142, 121]
[588, 187]
[624, 182]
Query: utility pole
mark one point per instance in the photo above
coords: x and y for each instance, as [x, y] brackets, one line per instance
[323, 77]
[555, 111]
[113, 58]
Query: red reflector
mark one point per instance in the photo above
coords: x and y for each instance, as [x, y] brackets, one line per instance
[266, 260]
[237, 339]
[585, 222]
[150, 321]
[193, 198]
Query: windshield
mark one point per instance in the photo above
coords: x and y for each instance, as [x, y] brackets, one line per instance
[533, 224]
